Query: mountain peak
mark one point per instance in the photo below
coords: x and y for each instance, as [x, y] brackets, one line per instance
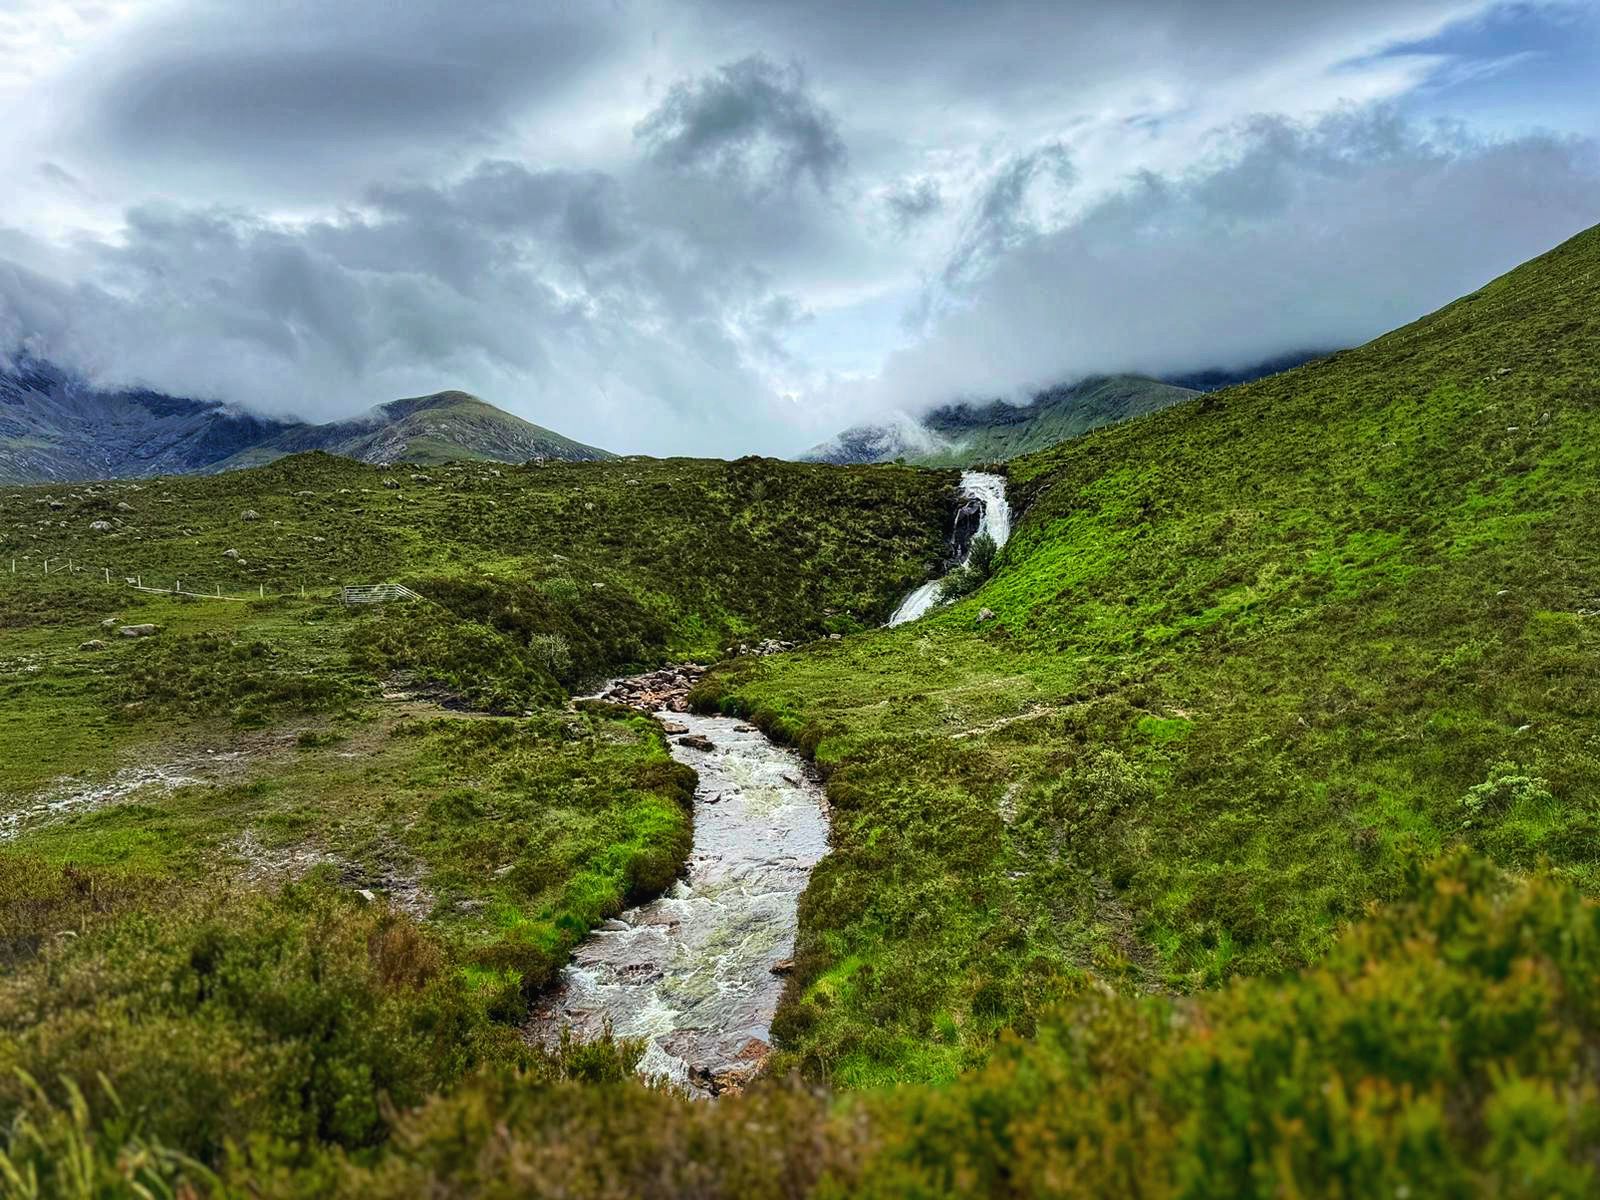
[54, 426]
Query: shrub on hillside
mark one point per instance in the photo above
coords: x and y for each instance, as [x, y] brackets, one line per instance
[209, 673]
[293, 1018]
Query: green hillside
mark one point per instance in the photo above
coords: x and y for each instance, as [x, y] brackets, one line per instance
[965, 435]
[1253, 659]
[997, 432]
[1246, 846]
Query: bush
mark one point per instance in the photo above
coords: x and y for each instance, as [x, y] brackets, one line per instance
[207, 673]
[295, 1018]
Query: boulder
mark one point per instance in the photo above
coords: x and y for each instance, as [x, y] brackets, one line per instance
[110, 623]
[230, 554]
[695, 742]
[985, 614]
[249, 514]
[100, 526]
[782, 967]
[138, 631]
[92, 644]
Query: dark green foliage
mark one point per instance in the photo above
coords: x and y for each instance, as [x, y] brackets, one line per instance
[972, 574]
[286, 1017]
[208, 673]
[483, 666]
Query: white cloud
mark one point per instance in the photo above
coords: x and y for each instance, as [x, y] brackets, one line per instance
[678, 227]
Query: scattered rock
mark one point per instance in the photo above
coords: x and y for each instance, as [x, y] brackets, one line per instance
[391, 483]
[666, 689]
[230, 554]
[985, 614]
[759, 649]
[138, 631]
[783, 966]
[695, 742]
[367, 894]
[249, 514]
[834, 637]
[92, 644]
[100, 526]
[124, 506]
[110, 623]
[672, 728]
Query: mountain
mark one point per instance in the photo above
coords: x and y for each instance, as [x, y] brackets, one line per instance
[54, 426]
[958, 435]
[444, 427]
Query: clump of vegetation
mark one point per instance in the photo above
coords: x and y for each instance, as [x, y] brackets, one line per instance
[294, 1018]
[210, 673]
[484, 667]
[972, 574]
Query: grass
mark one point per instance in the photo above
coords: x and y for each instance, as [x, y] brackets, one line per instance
[1254, 657]
[1129, 889]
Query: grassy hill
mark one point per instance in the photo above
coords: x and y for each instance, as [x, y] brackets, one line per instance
[1249, 849]
[1254, 658]
[962, 435]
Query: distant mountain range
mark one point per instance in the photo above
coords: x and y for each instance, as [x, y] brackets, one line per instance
[54, 426]
[959, 435]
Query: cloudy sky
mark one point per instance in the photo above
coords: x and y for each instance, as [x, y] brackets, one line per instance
[731, 226]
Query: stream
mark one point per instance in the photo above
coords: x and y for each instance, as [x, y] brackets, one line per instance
[697, 972]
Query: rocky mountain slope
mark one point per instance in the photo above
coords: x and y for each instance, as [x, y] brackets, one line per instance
[959, 435]
[55, 427]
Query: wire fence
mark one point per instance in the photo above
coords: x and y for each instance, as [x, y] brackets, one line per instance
[64, 564]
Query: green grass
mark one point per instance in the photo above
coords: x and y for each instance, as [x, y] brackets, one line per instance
[1130, 884]
[1252, 658]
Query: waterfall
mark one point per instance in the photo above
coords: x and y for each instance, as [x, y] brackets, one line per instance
[986, 493]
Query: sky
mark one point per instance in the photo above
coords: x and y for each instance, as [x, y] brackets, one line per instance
[721, 227]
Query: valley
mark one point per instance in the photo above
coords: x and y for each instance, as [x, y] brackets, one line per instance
[1231, 831]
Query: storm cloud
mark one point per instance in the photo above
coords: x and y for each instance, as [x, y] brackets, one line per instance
[723, 227]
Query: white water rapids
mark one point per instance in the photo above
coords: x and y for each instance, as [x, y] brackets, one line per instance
[692, 972]
[990, 492]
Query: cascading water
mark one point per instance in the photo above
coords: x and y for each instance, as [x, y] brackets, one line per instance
[696, 973]
[988, 492]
